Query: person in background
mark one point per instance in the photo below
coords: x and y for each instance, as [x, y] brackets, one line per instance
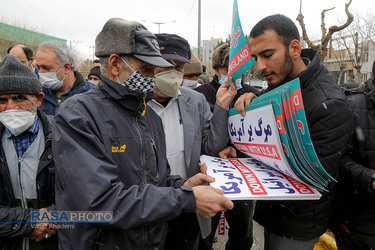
[25, 55]
[27, 172]
[191, 72]
[190, 129]
[94, 75]
[204, 77]
[59, 79]
[96, 62]
[279, 58]
[351, 83]
[111, 154]
[354, 217]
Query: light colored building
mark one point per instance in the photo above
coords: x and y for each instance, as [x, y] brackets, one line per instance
[206, 53]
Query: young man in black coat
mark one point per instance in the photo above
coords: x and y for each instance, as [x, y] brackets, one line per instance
[275, 47]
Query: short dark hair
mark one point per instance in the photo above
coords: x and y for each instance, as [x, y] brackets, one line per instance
[351, 75]
[96, 61]
[282, 25]
[28, 52]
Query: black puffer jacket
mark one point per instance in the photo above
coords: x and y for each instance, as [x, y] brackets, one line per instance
[331, 123]
[357, 197]
[110, 155]
[13, 233]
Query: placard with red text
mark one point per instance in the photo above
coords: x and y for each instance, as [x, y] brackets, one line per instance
[250, 179]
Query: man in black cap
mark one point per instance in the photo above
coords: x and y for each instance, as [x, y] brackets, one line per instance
[189, 126]
[111, 155]
[94, 75]
[27, 182]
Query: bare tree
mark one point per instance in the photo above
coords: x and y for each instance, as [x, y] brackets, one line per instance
[322, 48]
[357, 40]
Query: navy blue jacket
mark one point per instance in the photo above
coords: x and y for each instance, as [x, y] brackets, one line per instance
[111, 156]
[49, 104]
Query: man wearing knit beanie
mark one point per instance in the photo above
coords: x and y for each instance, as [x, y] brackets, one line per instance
[94, 75]
[26, 150]
[192, 71]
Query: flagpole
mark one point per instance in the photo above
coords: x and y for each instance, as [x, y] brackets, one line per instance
[199, 30]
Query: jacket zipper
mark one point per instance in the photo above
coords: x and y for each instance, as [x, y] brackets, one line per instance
[155, 158]
[144, 176]
[19, 176]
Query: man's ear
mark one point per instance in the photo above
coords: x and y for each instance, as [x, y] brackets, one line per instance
[39, 99]
[114, 65]
[295, 49]
[67, 68]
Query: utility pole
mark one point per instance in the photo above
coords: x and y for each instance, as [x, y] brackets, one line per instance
[93, 52]
[199, 30]
[159, 23]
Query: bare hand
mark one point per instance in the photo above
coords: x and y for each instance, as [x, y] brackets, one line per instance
[42, 229]
[199, 179]
[225, 95]
[209, 201]
[228, 152]
[243, 101]
[203, 168]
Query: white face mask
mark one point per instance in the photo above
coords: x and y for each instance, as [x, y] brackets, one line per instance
[169, 82]
[190, 83]
[17, 121]
[49, 80]
[93, 82]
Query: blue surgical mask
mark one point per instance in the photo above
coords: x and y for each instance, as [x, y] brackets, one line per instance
[238, 81]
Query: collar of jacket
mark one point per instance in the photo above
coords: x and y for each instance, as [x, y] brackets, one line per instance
[313, 69]
[215, 82]
[129, 99]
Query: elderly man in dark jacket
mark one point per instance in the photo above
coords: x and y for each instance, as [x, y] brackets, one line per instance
[274, 44]
[355, 213]
[111, 153]
[26, 168]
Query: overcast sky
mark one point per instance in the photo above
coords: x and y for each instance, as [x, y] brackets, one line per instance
[80, 21]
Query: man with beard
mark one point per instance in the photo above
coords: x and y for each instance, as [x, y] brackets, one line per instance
[275, 46]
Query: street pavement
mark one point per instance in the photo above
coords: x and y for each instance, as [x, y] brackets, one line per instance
[257, 244]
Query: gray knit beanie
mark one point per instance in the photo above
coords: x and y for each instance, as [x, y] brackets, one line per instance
[17, 78]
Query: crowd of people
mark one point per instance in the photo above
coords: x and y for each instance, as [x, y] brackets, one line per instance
[128, 140]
